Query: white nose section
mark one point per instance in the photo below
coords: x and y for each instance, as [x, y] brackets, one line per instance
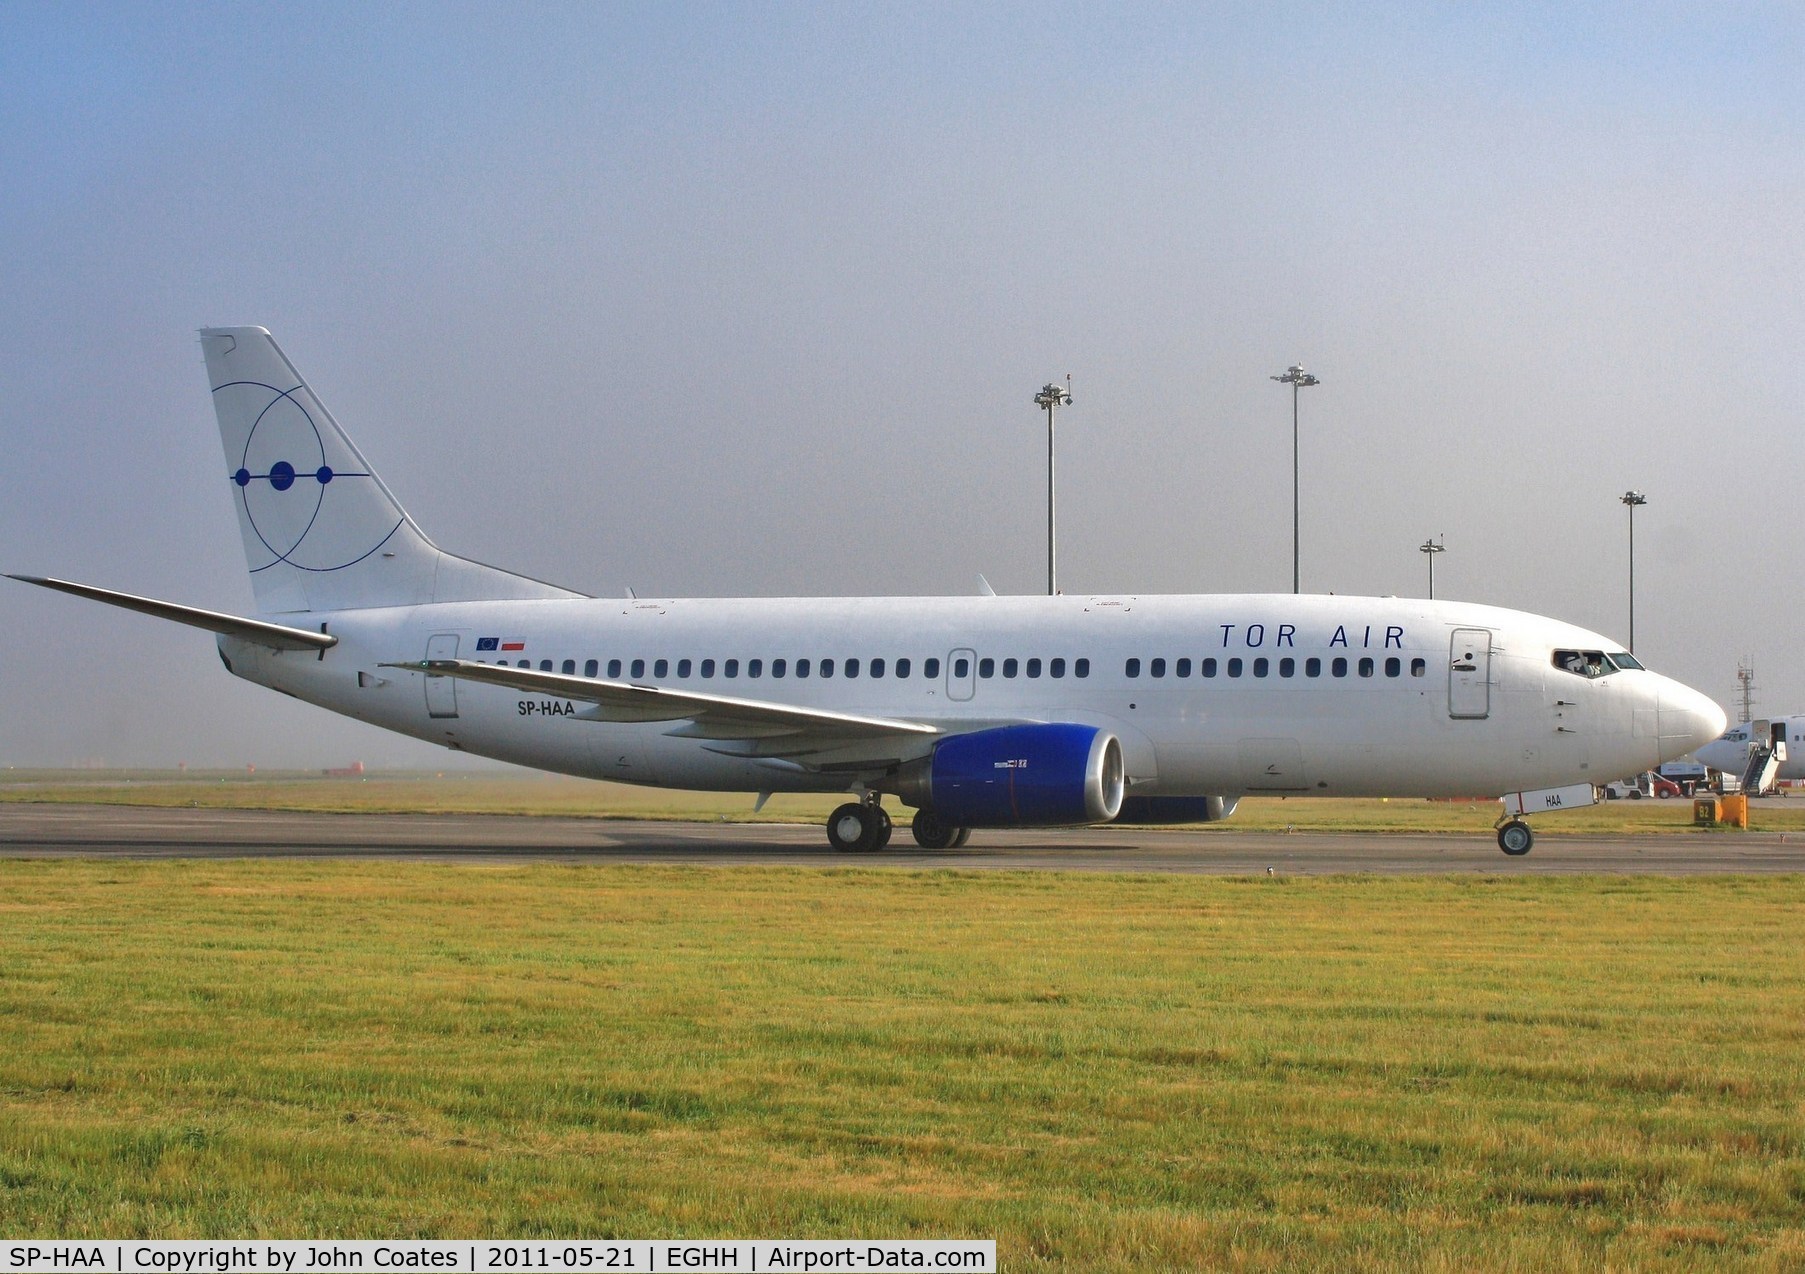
[1689, 717]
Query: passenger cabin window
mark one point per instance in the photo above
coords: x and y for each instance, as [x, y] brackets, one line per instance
[778, 667]
[961, 667]
[1182, 668]
[1209, 667]
[987, 667]
[1132, 668]
[1234, 667]
[1393, 666]
[827, 668]
[1056, 668]
[661, 668]
[1366, 665]
[902, 669]
[802, 667]
[1339, 667]
[1259, 667]
[755, 667]
[589, 667]
[730, 669]
[875, 668]
[614, 667]
[930, 668]
[570, 667]
[1312, 667]
[1082, 668]
[683, 667]
[1419, 667]
[1033, 668]
[545, 665]
[1010, 667]
[1157, 667]
[639, 668]
[708, 668]
[852, 667]
[1287, 667]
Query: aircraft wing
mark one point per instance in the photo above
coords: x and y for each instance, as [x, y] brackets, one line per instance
[762, 729]
[275, 636]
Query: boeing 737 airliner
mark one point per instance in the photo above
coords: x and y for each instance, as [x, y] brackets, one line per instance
[1731, 752]
[977, 711]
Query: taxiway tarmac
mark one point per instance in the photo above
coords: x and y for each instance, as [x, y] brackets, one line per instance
[122, 831]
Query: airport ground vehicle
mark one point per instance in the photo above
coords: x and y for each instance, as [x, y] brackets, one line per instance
[1648, 783]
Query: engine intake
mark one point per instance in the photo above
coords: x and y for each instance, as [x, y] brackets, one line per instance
[1052, 775]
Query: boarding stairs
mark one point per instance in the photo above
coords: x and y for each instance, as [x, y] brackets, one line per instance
[1763, 770]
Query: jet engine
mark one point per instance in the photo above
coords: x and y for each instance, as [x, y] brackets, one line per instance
[1052, 775]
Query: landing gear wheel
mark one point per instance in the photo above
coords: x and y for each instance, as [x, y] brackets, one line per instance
[1515, 838]
[847, 828]
[933, 832]
[963, 836]
[858, 829]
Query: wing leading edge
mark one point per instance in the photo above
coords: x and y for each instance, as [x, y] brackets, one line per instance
[770, 729]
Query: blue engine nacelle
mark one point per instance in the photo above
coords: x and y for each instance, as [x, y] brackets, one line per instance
[1052, 775]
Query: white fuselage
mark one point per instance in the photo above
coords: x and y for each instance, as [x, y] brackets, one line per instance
[1729, 752]
[1216, 695]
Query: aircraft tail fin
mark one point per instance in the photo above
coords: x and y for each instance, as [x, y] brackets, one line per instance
[321, 530]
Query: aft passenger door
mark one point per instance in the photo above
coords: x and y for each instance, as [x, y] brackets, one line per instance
[442, 692]
[1470, 674]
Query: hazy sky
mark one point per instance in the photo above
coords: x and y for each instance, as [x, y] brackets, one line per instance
[745, 299]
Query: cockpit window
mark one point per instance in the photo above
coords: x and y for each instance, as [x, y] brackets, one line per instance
[1584, 663]
[1623, 659]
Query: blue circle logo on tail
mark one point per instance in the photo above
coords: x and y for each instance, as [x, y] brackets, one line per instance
[285, 480]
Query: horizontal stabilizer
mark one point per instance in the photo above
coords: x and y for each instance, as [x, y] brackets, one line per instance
[275, 636]
[714, 716]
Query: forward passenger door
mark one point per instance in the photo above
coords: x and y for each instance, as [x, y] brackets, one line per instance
[1470, 674]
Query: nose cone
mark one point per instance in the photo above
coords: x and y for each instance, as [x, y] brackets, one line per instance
[1689, 720]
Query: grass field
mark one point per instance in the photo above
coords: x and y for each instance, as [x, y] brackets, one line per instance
[1100, 1072]
[504, 792]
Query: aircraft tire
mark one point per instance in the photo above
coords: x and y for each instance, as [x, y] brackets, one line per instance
[851, 829]
[963, 836]
[881, 837]
[1515, 838]
[933, 832]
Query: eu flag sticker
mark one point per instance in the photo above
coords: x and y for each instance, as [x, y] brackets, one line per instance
[487, 643]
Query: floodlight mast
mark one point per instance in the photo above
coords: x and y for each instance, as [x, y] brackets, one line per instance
[1052, 397]
[1432, 547]
[1631, 499]
[1296, 377]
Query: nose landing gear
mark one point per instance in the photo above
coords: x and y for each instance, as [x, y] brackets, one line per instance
[1515, 838]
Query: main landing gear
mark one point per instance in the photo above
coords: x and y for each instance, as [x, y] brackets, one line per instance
[1515, 838]
[860, 827]
[933, 832]
[864, 827]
